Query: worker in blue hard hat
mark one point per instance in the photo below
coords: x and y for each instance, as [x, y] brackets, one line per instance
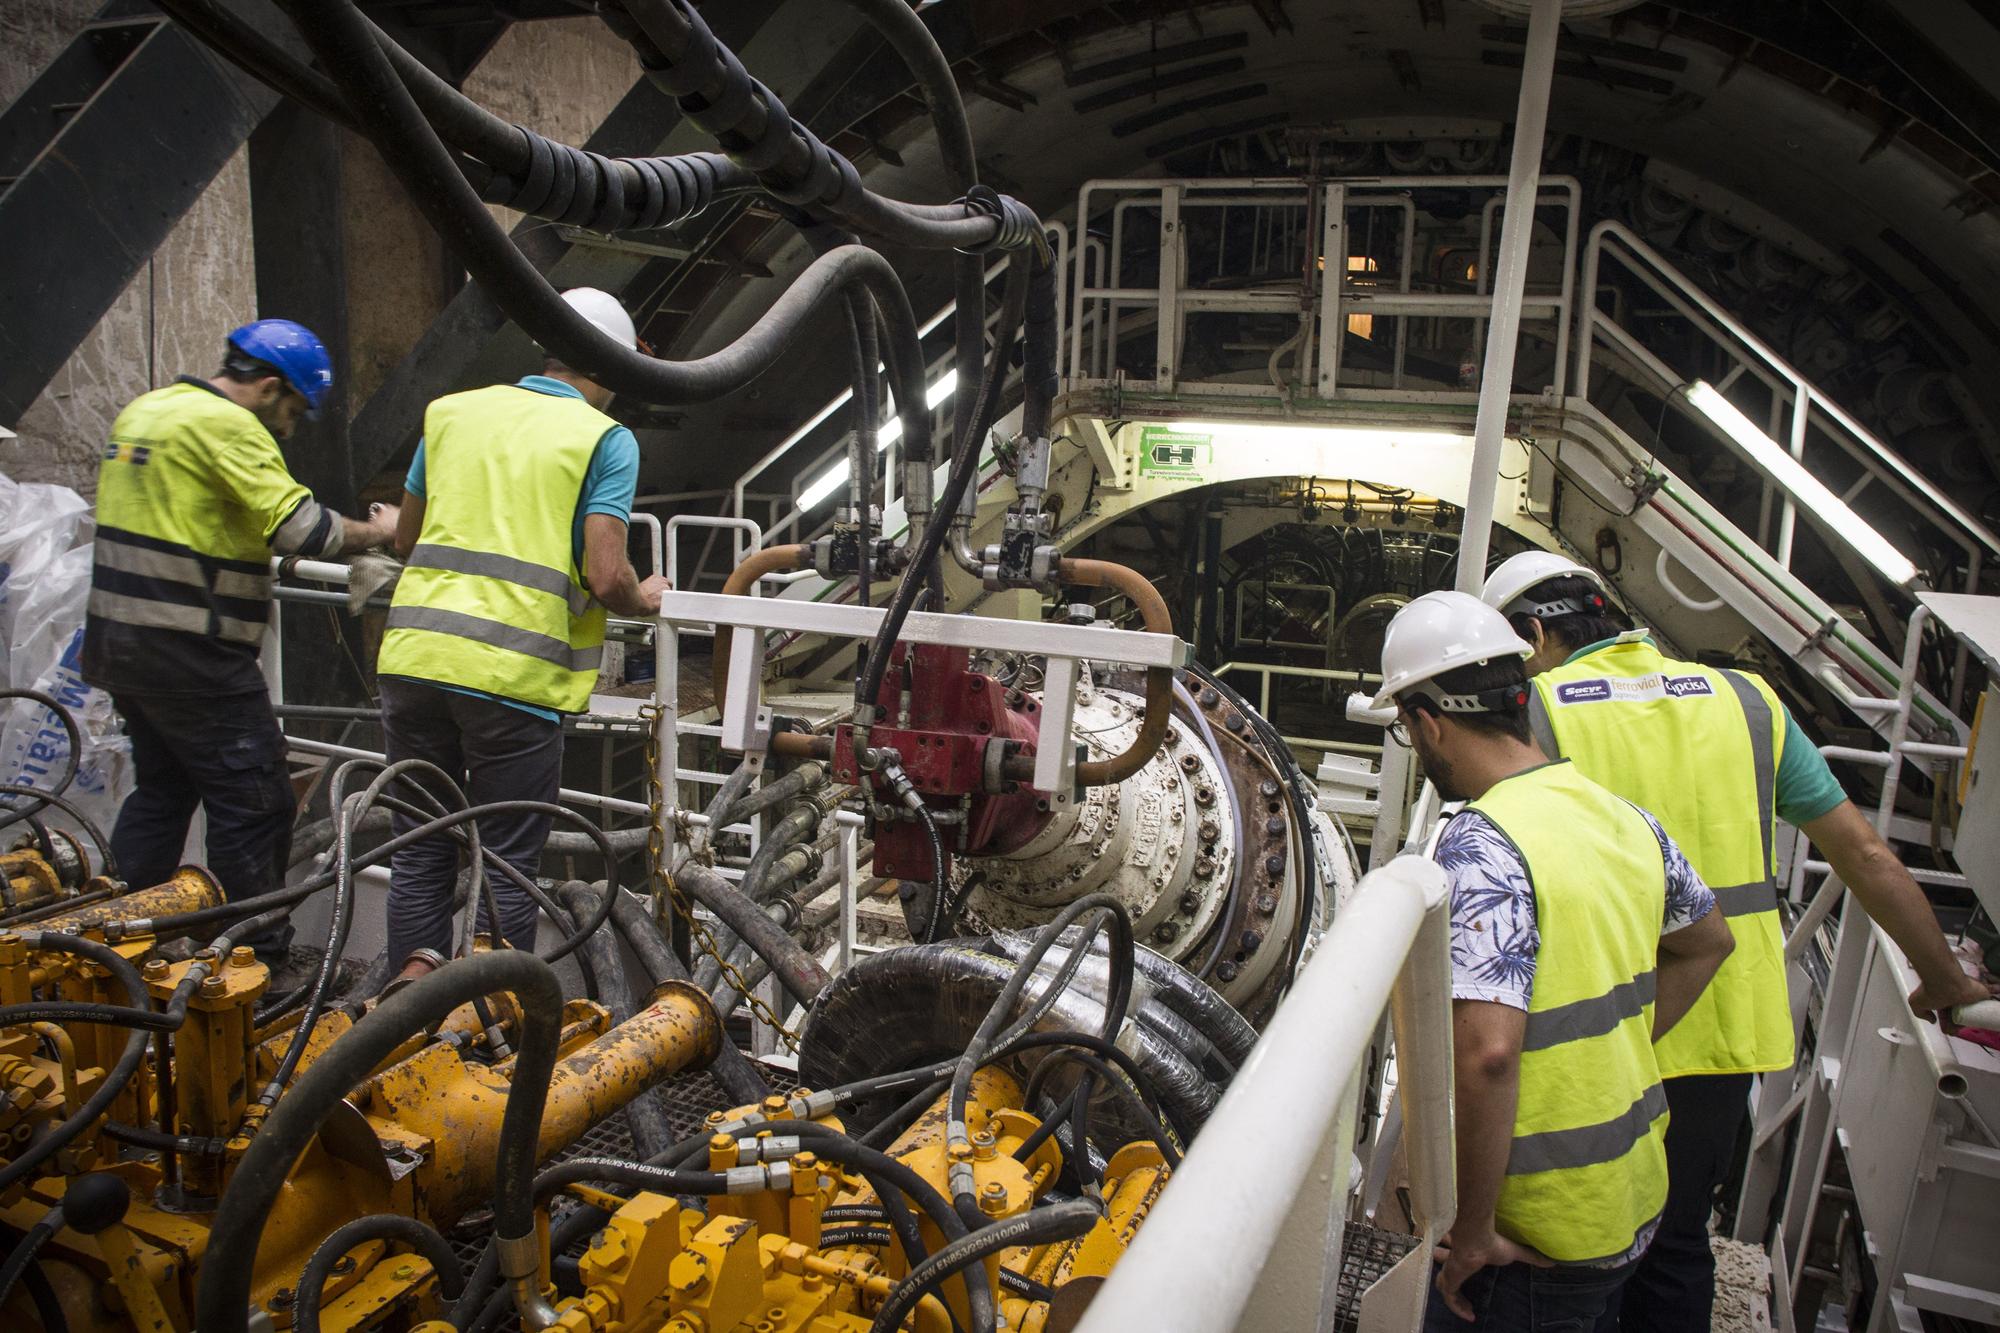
[193, 499]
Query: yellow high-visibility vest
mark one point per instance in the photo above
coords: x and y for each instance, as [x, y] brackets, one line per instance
[1697, 747]
[493, 599]
[192, 498]
[1588, 1166]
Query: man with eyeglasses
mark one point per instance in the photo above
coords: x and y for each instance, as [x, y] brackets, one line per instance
[193, 499]
[1579, 935]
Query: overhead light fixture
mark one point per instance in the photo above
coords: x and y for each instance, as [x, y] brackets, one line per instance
[835, 477]
[1239, 434]
[1805, 489]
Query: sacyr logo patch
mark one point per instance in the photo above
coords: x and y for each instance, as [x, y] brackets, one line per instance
[1583, 692]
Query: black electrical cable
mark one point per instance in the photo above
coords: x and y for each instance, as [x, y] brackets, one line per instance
[13, 814]
[222, 1296]
[1038, 1226]
[419, 1236]
[345, 44]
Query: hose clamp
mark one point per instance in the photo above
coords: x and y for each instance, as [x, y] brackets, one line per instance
[520, 1256]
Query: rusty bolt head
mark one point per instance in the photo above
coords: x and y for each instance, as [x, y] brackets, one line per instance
[1252, 938]
[213, 986]
[1173, 735]
[1204, 795]
[1190, 901]
[1267, 903]
[1210, 830]
[1164, 931]
[1274, 825]
[1267, 788]
[1234, 722]
[688, 1273]
[1204, 866]
[1190, 764]
[242, 956]
[1226, 970]
[155, 969]
[1274, 866]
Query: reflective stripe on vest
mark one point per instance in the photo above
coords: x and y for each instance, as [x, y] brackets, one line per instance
[177, 546]
[1697, 747]
[492, 598]
[1586, 1170]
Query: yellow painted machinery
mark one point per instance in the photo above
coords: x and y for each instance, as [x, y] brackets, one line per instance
[158, 1177]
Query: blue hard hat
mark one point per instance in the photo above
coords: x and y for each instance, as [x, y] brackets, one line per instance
[294, 351]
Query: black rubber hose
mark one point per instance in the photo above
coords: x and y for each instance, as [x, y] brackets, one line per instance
[24, 1252]
[660, 1179]
[1038, 1226]
[1193, 999]
[13, 814]
[35, 1154]
[644, 1115]
[344, 43]
[934, 905]
[419, 1236]
[1121, 1088]
[808, 776]
[965, 466]
[798, 971]
[732, 1069]
[867, 349]
[106, 861]
[223, 1294]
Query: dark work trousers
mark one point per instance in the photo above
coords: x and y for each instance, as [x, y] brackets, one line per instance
[495, 752]
[226, 756]
[1674, 1286]
[1518, 1298]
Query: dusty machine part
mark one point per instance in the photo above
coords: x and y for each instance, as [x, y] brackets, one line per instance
[189, 890]
[33, 876]
[1203, 846]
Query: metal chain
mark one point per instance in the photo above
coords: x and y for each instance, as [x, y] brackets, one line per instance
[663, 879]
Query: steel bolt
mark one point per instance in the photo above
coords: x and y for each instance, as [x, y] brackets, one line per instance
[993, 1199]
[1204, 795]
[1266, 903]
[1274, 866]
[1252, 938]
[1173, 736]
[344, 1264]
[155, 969]
[1190, 901]
[1190, 764]
[1267, 788]
[282, 1298]
[1210, 830]
[1274, 825]
[1226, 970]
[1233, 722]
[242, 956]
[1209, 698]
[1164, 931]
[401, 1273]
[1204, 866]
[212, 986]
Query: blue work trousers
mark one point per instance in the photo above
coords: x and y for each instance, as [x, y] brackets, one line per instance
[1518, 1298]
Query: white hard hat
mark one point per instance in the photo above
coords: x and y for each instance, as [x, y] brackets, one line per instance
[1517, 574]
[603, 310]
[1440, 632]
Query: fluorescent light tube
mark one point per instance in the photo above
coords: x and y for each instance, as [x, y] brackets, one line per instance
[835, 477]
[1805, 489]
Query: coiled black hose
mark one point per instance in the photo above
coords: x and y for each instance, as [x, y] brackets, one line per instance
[14, 814]
[223, 1294]
[419, 1236]
[1038, 1226]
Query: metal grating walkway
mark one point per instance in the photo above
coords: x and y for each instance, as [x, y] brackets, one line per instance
[1366, 1253]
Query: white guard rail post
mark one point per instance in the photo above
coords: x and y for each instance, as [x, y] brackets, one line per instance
[1247, 1234]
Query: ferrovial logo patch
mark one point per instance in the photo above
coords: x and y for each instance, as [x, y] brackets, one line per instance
[1632, 689]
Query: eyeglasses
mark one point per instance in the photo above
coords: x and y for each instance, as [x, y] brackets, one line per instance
[1398, 732]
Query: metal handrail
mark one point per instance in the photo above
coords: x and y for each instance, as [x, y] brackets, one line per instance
[1785, 380]
[1228, 1247]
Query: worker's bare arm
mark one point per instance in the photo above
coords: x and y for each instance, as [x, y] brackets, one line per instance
[1867, 866]
[1486, 1063]
[608, 570]
[1689, 958]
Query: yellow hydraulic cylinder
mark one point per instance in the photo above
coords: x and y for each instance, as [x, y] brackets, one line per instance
[212, 1057]
[458, 1106]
